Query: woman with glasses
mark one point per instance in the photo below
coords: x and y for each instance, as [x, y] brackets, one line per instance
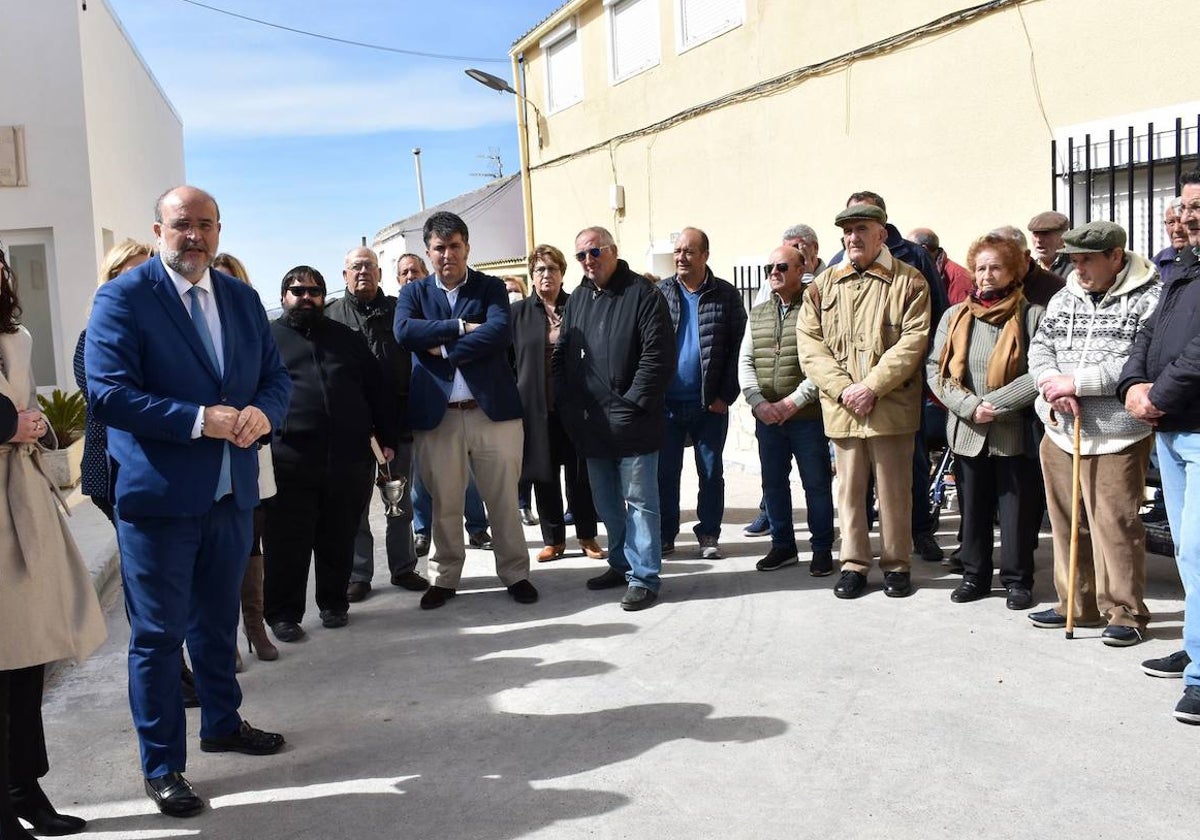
[536, 321]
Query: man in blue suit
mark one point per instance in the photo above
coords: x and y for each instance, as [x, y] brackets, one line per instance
[182, 368]
[463, 407]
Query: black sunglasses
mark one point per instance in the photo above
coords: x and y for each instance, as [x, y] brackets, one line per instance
[306, 291]
[782, 268]
[594, 253]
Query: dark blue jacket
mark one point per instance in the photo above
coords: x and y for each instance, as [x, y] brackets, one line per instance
[1167, 261]
[424, 320]
[1167, 350]
[722, 323]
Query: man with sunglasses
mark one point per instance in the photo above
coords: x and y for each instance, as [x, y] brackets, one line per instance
[323, 459]
[613, 361]
[862, 333]
[787, 418]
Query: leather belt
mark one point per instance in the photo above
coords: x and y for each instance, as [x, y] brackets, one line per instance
[463, 405]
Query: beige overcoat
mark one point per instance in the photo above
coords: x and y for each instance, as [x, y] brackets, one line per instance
[48, 606]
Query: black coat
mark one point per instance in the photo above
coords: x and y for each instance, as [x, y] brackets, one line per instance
[529, 360]
[1167, 350]
[340, 397]
[612, 364]
[722, 322]
[374, 322]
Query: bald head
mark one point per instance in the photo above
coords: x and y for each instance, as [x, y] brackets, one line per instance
[362, 274]
[187, 225]
[927, 239]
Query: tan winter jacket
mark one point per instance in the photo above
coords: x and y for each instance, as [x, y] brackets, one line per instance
[870, 327]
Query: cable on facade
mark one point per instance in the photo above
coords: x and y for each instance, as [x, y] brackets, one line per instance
[792, 78]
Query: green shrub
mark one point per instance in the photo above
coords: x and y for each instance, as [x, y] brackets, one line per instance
[66, 414]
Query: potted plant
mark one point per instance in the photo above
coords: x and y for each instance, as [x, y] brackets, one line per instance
[66, 413]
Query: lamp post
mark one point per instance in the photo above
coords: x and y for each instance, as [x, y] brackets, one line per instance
[497, 84]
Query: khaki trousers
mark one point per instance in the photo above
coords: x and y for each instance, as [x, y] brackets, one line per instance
[492, 450]
[1111, 579]
[889, 457]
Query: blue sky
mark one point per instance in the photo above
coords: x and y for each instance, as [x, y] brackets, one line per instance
[307, 144]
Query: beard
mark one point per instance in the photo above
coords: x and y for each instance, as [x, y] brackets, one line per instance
[303, 318]
[187, 262]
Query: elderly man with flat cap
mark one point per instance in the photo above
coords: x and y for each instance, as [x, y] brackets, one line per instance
[862, 334]
[1076, 358]
[1048, 229]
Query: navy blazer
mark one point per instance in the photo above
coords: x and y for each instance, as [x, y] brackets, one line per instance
[148, 374]
[424, 320]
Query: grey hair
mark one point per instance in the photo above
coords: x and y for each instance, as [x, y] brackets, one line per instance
[1176, 204]
[1013, 233]
[801, 232]
[606, 238]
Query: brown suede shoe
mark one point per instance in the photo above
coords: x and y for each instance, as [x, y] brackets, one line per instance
[592, 549]
[551, 552]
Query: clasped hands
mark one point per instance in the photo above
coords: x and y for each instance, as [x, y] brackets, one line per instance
[241, 428]
[859, 399]
[773, 413]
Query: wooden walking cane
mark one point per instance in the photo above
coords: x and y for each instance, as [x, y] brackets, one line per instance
[1073, 567]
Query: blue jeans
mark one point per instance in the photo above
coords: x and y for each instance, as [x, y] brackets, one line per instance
[707, 430]
[1179, 465]
[804, 440]
[625, 491]
[422, 504]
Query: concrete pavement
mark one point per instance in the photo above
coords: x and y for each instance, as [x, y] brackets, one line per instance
[744, 704]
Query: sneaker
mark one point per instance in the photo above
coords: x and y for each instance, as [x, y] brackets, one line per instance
[926, 546]
[1187, 709]
[709, 550]
[760, 527]
[1168, 667]
[821, 564]
[777, 558]
[668, 547]
[1054, 620]
[1118, 635]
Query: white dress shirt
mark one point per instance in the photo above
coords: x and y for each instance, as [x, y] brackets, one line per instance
[459, 390]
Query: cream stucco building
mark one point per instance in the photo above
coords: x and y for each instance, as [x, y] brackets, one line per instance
[745, 116]
[88, 140]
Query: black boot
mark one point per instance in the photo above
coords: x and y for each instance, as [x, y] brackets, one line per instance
[29, 802]
[11, 828]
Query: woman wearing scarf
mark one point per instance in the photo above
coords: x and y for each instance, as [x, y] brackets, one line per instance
[979, 369]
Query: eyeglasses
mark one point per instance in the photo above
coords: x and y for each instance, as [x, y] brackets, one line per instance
[594, 253]
[782, 268]
[306, 291]
[359, 266]
[548, 269]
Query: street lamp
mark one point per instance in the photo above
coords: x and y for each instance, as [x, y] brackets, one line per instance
[497, 84]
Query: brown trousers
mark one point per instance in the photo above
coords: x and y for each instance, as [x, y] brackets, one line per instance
[493, 451]
[890, 458]
[1111, 579]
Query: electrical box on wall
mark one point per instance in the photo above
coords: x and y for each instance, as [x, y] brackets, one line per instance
[616, 197]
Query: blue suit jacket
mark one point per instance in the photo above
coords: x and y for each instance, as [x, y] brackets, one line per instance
[424, 320]
[148, 374]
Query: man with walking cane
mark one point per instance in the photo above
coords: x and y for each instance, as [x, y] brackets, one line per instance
[1159, 385]
[1076, 358]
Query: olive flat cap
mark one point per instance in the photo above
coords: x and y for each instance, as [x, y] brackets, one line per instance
[1092, 238]
[858, 212]
[1048, 221]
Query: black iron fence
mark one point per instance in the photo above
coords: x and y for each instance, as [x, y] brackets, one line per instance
[1125, 177]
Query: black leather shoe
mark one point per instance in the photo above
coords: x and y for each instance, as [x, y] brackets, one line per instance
[926, 545]
[897, 584]
[287, 631]
[421, 544]
[481, 540]
[246, 740]
[968, 591]
[850, 585]
[523, 592]
[1018, 598]
[527, 518]
[638, 598]
[357, 590]
[174, 796]
[411, 581]
[30, 803]
[611, 579]
[436, 596]
[334, 619]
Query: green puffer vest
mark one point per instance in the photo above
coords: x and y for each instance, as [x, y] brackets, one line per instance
[776, 360]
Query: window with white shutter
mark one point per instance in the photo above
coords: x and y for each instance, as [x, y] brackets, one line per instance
[564, 67]
[701, 20]
[634, 42]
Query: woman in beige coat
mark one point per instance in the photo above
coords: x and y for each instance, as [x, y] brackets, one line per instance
[48, 607]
